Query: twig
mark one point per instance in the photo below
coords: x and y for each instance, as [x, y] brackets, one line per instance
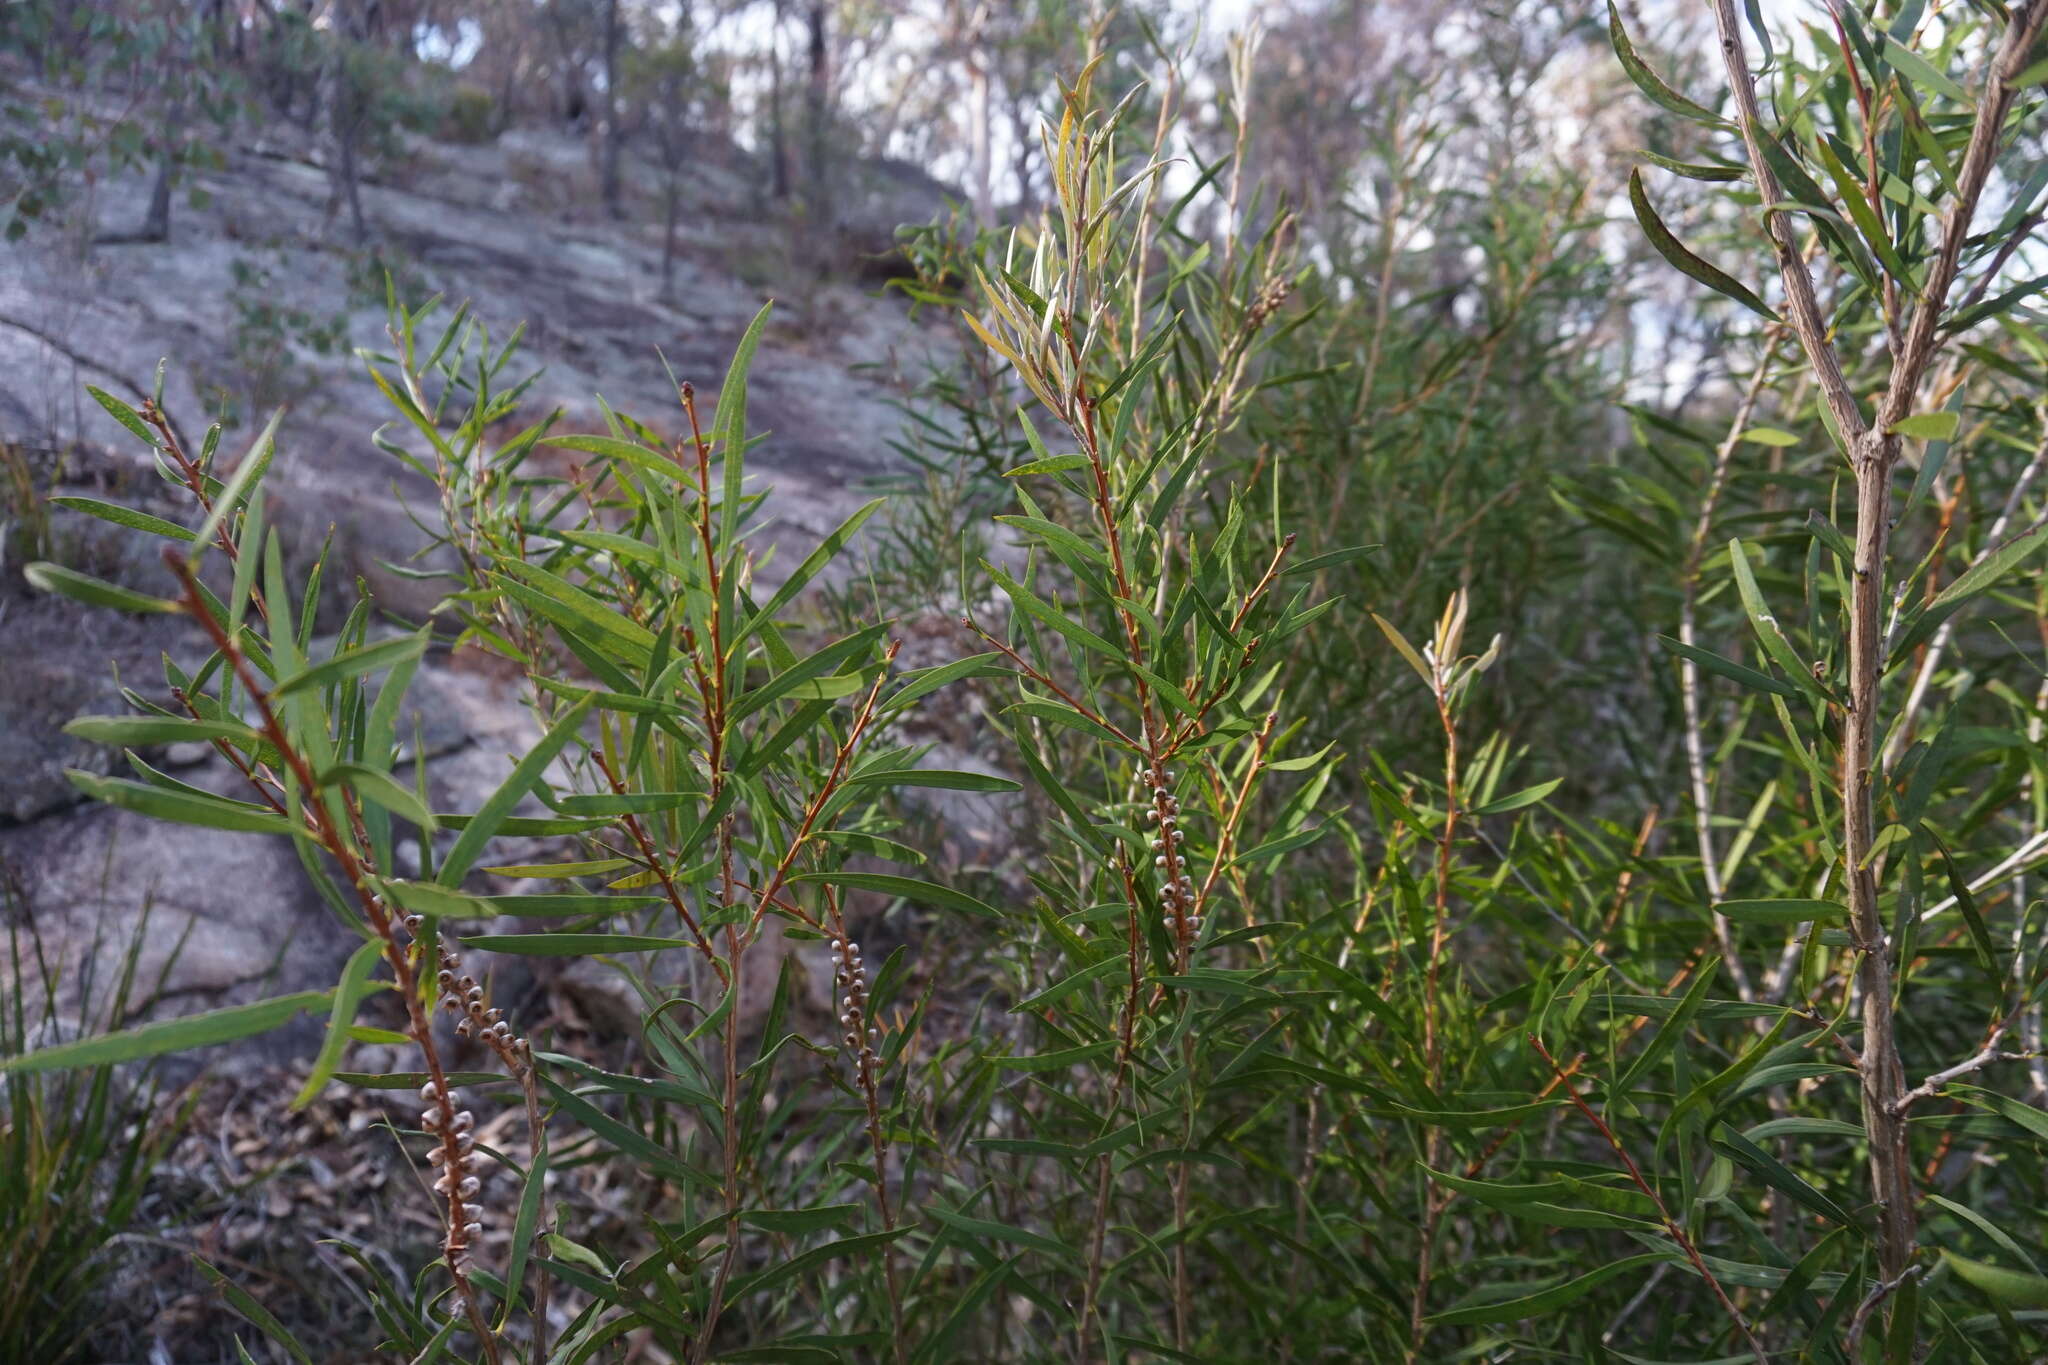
[1689, 672]
[450, 1126]
[1671, 1225]
[1990, 1055]
[1852, 1336]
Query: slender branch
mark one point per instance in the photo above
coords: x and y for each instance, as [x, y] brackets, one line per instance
[450, 1126]
[1689, 673]
[1993, 103]
[1852, 1336]
[1991, 1055]
[1802, 304]
[1045, 680]
[1671, 1225]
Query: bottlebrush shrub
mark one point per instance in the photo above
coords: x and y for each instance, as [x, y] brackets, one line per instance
[1270, 1048]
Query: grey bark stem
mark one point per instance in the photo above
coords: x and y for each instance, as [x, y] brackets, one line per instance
[1689, 672]
[1872, 454]
[1883, 1075]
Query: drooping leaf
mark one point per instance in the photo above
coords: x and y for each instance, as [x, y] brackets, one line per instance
[1648, 81]
[1671, 249]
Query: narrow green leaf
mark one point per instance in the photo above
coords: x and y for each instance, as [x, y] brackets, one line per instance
[1056, 1061]
[731, 433]
[124, 516]
[2009, 1289]
[1542, 1302]
[1674, 251]
[983, 1230]
[382, 790]
[525, 1223]
[908, 888]
[354, 985]
[130, 731]
[425, 898]
[246, 1304]
[797, 1222]
[948, 778]
[1783, 911]
[1778, 1176]
[240, 486]
[1921, 72]
[180, 807]
[1728, 668]
[182, 1034]
[828, 550]
[1929, 426]
[1991, 568]
[1528, 796]
[1050, 616]
[572, 945]
[354, 663]
[1694, 170]
[486, 822]
[1647, 80]
[93, 592]
[123, 414]
[1051, 464]
[560, 871]
[1765, 625]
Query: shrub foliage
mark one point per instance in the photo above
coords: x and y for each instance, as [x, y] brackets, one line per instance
[1470, 900]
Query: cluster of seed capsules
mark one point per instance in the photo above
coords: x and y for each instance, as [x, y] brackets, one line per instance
[1177, 896]
[462, 995]
[458, 1183]
[850, 975]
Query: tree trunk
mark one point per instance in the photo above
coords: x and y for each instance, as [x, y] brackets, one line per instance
[345, 116]
[156, 226]
[982, 180]
[608, 147]
[671, 193]
[778, 142]
[817, 112]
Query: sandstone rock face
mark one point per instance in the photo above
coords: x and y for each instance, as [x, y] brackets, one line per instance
[232, 917]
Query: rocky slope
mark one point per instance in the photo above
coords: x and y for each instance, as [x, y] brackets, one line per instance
[259, 294]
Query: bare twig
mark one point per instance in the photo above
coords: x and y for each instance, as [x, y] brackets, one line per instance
[1852, 1336]
[1689, 672]
[1991, 1055]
